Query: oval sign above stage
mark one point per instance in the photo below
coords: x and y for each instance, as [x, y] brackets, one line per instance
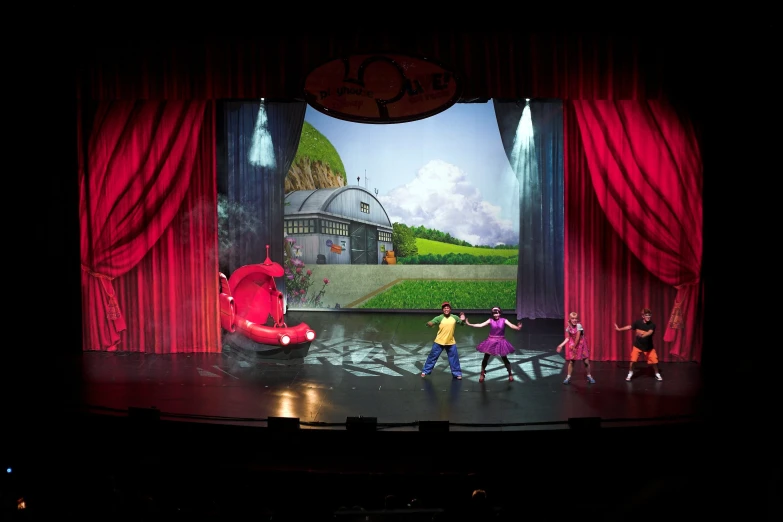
[382, 88]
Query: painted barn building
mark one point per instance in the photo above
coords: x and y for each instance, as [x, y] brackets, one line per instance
[343, 225]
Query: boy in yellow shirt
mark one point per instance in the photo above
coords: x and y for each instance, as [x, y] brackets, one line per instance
[445, 341]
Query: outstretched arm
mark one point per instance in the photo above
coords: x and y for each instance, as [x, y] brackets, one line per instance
[622, 329]
[560, 346]
[485, 323]
[513, 326]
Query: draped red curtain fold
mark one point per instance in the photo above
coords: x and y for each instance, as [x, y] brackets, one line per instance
[146, 181]
[642, 165]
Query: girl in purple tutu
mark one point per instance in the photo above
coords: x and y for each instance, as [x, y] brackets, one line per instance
[496, 343]
[575, 344]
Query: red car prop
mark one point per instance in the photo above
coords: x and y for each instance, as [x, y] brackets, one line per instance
[250, 297]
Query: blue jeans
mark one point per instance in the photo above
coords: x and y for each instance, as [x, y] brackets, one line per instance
[432, 358]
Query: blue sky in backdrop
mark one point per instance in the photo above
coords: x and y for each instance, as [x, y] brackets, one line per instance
[447, 172]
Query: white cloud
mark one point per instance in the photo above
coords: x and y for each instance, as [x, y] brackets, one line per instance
[441, 198]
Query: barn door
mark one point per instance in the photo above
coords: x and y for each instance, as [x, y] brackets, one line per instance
[363, 245]
[372, 245]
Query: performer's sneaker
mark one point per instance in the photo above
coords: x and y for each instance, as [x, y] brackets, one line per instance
[630, 375]
[658, 377]
[590, 380]
[567, 380]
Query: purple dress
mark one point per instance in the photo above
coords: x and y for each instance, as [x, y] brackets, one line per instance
[496, 343]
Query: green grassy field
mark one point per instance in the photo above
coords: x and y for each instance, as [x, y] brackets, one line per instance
[427, 246]
[417, 294]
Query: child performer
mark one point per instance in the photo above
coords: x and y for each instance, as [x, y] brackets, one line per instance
[496, 344]
[576, 347]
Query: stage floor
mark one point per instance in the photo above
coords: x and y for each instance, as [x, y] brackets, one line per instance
[75, 418]
[368, 365]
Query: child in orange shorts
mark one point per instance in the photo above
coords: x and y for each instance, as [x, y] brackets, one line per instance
[644, 329]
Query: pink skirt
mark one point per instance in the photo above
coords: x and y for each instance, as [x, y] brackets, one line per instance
[577, 352]
[495, 345]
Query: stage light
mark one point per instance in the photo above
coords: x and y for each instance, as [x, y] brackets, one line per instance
[364, 424]
[262, 151]
[284, 340]
[286, 424]
[8, 470]
[310, 335]
[584, 423]
[434, 426]
[144, 415]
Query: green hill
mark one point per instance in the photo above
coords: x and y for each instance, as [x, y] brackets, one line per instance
[316, 147]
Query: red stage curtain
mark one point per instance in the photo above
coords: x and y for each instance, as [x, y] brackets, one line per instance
[148, 226]
[498, 64]
[634, 224]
